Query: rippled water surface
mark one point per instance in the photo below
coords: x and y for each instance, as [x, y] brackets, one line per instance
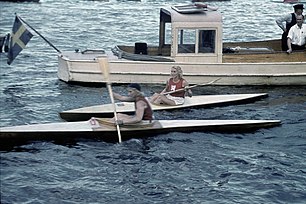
[266, 166]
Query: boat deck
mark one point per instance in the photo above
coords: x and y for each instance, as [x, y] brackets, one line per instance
[264, 57]
[241, 52]
[268, 51]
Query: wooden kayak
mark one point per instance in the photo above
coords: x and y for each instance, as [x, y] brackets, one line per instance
[107, 131]
[107, 110]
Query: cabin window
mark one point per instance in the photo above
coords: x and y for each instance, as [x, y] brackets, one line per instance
[207, 41]
[196, 41]
[186, 41]
[168, 36]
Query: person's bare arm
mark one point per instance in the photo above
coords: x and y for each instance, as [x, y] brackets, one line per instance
[289, 45]
[165, 89]
[123, 98]
[140, 107]
[188, 91]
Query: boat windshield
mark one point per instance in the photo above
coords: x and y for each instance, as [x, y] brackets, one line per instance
[196, 41]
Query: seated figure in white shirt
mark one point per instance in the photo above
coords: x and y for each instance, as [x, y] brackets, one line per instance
[296, 38]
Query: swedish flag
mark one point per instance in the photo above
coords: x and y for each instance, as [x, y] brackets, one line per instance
[20, 36]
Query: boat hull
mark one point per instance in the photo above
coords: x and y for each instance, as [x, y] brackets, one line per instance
[77, 68]
[106, 110]
[236, 63]
[108, 132]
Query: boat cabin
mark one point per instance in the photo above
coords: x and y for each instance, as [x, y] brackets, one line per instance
[190, 34]
[195, 34]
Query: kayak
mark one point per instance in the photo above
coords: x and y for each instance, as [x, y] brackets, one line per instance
[104, 129]
[107, 110]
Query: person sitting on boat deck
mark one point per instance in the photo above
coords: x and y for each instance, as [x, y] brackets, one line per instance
[143, 110]
[290, 20]
[296, 39]
[175, 84]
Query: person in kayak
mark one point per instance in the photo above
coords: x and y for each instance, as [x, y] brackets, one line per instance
[175, 91]
[143, 110]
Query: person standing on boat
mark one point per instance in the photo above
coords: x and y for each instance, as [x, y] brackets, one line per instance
[143, 110]
[296, 38]
[290, 20]
[174, 84]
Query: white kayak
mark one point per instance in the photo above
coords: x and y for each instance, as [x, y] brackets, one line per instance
[107, 110]
[103, 129]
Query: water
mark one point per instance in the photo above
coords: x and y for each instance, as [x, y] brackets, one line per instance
[266, 166]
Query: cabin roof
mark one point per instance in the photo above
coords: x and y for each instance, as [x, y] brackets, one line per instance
[186, 16]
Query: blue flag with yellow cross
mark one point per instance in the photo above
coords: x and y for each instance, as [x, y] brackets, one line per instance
[20, 36]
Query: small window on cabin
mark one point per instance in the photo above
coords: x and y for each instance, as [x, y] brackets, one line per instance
[168, 36]
[207, 41]
[186, 41]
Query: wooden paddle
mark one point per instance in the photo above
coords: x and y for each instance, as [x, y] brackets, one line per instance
[143, 123]
[190, 87]
[103, 63]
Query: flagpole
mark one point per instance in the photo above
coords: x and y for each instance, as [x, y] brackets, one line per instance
[38, 34]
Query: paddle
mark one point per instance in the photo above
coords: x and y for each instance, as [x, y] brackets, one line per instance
[143, 123]
[190, 87]
[103, 63]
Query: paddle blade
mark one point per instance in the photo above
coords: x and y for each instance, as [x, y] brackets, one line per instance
[103, 63]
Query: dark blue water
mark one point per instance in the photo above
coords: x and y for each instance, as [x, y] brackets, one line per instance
[265, 166]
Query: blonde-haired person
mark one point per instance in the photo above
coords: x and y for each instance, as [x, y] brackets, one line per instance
[174, 83]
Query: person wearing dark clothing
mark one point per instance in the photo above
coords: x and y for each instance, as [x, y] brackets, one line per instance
[143, 110]
[290, 20]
